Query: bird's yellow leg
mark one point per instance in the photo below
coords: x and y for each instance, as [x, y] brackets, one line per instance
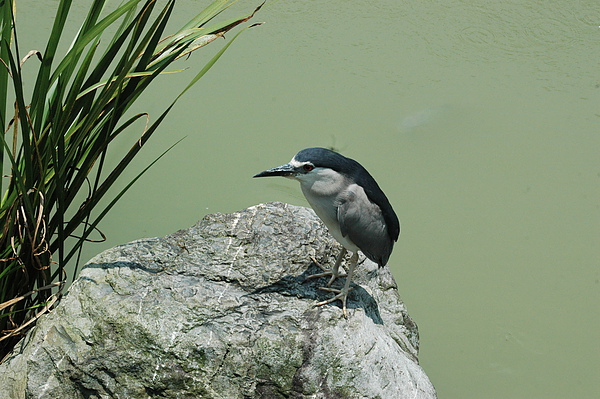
[342, 294]
[334, 272]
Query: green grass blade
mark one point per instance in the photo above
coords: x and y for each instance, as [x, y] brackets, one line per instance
[42, 82]
[90, 35]
[210, 12]
[59, 142]
[212, 62]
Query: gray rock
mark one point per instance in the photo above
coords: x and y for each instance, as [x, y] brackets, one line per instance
[221, 310]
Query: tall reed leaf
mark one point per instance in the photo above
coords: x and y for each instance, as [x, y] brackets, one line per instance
[56, 138]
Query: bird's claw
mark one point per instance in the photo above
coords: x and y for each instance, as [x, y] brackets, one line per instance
[326, 272]
[334, 290]
[325, 269]
[342, 295]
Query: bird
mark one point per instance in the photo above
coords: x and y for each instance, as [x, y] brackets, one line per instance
[350, 203]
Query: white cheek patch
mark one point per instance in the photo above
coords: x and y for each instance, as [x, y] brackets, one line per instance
[297, 164]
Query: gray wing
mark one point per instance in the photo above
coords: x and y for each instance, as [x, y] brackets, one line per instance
[363, 223]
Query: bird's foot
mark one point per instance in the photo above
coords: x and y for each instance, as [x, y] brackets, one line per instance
[342, 295]
[326, 272]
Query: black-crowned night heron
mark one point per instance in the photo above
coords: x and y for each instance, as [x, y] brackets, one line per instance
[350, 203]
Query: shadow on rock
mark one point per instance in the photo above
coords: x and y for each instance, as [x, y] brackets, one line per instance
[302, 287]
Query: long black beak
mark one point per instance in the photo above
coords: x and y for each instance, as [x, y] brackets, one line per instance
[283, 170]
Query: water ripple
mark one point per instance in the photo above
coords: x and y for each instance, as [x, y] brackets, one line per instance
[516, 31]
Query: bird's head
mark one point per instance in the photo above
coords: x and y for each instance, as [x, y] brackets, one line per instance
[308, 165]
[293, 169]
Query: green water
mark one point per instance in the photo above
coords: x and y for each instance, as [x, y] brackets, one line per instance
[480, 120]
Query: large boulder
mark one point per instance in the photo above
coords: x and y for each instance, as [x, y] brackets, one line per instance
[222, 310]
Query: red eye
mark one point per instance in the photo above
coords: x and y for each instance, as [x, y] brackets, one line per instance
[308, 167]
